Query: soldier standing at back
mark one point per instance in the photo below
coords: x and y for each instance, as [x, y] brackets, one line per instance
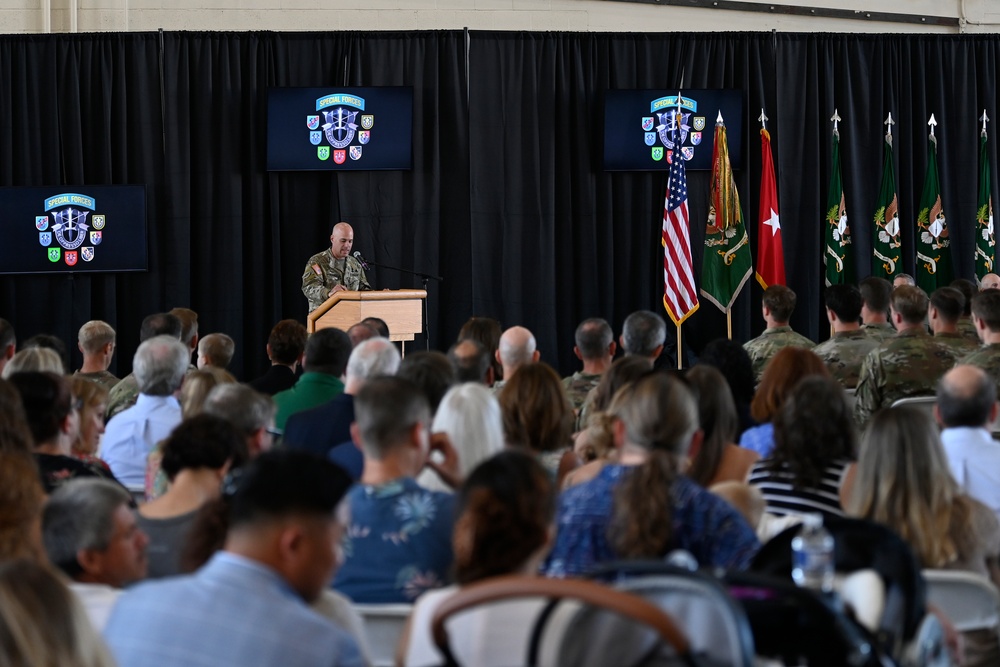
[908, 364]
[777, 306]
[333, 270]
[847, 348]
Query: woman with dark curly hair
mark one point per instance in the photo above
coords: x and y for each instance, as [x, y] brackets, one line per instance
[815, 444]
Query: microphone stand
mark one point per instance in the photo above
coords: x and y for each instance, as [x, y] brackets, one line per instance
[424, 278]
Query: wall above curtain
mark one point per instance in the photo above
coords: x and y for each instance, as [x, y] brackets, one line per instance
[506, 200]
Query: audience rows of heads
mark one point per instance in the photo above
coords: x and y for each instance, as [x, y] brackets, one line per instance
[350, 473]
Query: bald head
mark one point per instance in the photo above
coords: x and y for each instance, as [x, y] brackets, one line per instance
[517, 347]
[989, 281]
[341, 240]
[966, 396]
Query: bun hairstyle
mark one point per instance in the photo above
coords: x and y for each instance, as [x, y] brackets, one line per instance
[505, 510]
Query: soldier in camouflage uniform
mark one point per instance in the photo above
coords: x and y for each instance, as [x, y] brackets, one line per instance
[595, 347]
[777, 306]
[947, 304]
[96, 340]
[846, 350]
[906, 365]
[965, 326]
[124, 394]
[986, 317]
[333, 270]
[875, 293]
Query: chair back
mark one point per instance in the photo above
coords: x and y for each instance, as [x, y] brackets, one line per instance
[969, 600]
[383, 626]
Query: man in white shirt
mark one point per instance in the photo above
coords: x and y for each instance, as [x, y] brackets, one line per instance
[159, 366]
[966, 406]
[90, 533]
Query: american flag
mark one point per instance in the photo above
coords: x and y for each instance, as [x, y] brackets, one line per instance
[680, 297]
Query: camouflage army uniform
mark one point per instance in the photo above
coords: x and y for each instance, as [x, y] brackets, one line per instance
[578, 385]
[986, 357]
[103, 378]
[844, 353]
[769, 343]
[906, 365]
[122, 396]
[962, 345]
[323, 272]
[968, 329]
[879, 331]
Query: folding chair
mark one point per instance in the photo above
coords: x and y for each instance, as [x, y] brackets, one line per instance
[384, 624]
[969, 600]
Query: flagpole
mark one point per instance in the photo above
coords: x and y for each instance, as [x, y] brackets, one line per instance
[680, 350]
[729, 323]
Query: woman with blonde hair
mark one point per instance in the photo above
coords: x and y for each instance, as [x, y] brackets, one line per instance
[41, 359]
[42, 622]
[93, 398]
[903, 481]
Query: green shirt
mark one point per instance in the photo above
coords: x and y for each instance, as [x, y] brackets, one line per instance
[311, 390]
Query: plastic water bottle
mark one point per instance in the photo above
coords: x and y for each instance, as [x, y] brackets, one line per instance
[812, 555]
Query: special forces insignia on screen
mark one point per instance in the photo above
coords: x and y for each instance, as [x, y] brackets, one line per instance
[674, 115]
[69, 217]
[340, 113]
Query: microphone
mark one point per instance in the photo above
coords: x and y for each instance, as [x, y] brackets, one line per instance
[357, 256]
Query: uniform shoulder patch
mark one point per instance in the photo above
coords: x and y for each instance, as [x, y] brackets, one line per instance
[319, 271]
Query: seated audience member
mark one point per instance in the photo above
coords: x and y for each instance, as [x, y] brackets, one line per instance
[644, 334]
[216, 349]
[718, 459]
[159, 366]
[189, 329]
[745, 499]
[285, 346]
[908, 364]
[642, 507]
[431, 372]
[965, 325]
[876, 294]
[54, 422]
[943, 315]
[400, 533]
[124, 394]
[486, 331]
[21, 501]
[790, 366]
[250, 412]
[517, 348]
[503, 526]
[248, 604]
[538, 416]
[814, 445]
[326, 429]
[196, 456]
[902, 279]
[986, 318]
[8, 344]
[49, 342]
[195, 390]
[903, 482]
[989, 281]
[96, 341]
[777, 305]
[327, 351]
[93, 398]
[847, 348]
[471, 362]
[595, 347]
[469, 415]
[15, 436]
[734, 364]
[34, 359]
[966, 407]
[43, 624]
[90, 533]
[379, 325]
[360, 332]
[594, 445]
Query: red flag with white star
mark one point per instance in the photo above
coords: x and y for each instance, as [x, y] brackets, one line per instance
[770, 254]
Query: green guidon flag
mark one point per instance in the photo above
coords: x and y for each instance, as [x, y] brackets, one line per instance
[985, 242]
[933, 266]
[886, 244]
[837, 257]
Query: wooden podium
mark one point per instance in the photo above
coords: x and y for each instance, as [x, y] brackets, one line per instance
[401, 309]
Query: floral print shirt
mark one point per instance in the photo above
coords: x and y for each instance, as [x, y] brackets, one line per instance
[397, 544]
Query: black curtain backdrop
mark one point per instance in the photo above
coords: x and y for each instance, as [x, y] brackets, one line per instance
[506, 200]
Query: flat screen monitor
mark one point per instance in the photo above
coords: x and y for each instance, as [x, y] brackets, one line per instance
[73, 229]
[641, 134]
[359, 129]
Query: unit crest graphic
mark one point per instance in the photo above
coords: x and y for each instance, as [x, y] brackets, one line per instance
[70, 221]
[341, 121]
[673, 122]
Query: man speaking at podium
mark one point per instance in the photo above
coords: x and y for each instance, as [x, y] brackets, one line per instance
[333, 270]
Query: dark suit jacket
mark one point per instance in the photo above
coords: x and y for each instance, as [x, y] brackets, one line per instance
[277, 378]
[326, 430]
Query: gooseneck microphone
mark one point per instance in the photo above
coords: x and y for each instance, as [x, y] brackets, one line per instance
[357, 256]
